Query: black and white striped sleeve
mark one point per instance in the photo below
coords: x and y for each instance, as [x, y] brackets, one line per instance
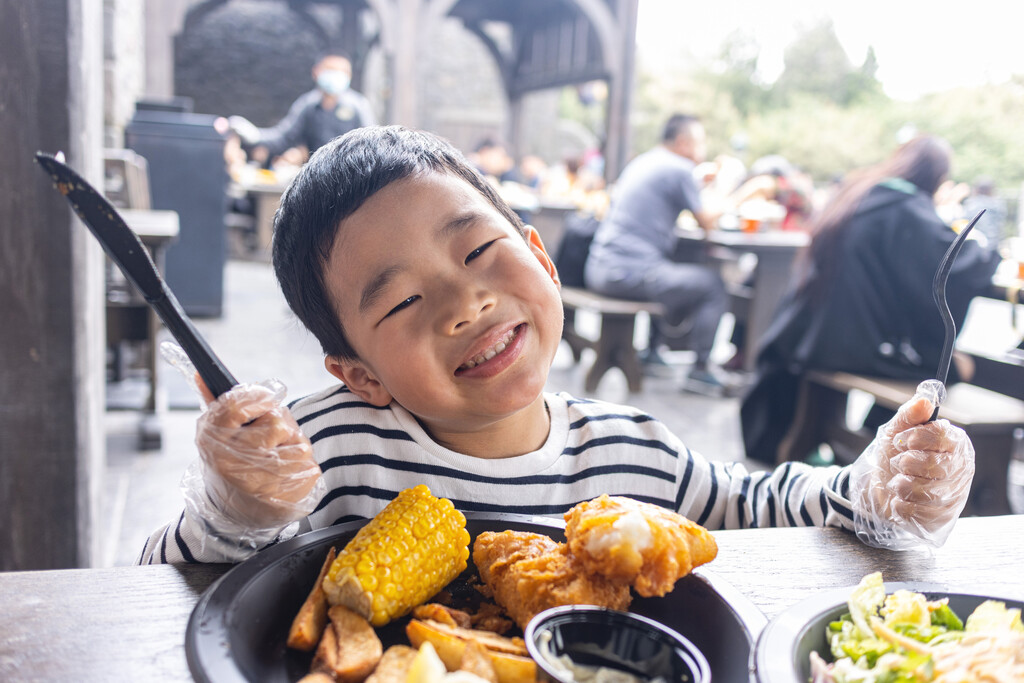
[725, 495]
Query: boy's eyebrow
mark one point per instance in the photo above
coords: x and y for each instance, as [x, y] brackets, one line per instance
[458, 223]
[374, 288]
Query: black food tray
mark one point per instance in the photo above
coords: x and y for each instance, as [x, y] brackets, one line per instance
[238, 628]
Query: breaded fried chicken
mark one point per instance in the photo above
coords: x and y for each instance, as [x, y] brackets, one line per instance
[530, 573]
[637, 543]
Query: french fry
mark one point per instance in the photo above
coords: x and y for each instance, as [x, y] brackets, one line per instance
[308, 626]
[507, 655]
[349, 649]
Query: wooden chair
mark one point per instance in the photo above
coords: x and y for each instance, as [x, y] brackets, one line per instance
[988, 417]
[614, 345]
[131, 323]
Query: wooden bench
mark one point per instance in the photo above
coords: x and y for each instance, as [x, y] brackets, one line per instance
[614, 345]
[988, 417]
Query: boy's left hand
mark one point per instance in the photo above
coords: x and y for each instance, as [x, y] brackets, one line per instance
[911, 484]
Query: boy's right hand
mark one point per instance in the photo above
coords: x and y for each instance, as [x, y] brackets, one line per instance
[260, 470]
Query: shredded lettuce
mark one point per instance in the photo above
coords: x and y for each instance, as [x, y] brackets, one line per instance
[993, 615]
[908, 636]
[865, 601]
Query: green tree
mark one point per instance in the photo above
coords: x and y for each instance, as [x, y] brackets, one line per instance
[734, 72]
[815, 63]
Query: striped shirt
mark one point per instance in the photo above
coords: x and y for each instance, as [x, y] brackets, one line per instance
[369, 454]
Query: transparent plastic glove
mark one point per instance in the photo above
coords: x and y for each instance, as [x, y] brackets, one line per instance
[255, 475]
[911, 483]
[245, 129]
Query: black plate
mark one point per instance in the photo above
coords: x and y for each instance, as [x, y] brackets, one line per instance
[238, 628]
[784, 648]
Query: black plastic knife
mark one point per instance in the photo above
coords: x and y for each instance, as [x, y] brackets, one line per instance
[128, 252]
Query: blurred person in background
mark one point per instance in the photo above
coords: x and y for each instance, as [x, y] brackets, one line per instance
[860, 300]
[631, 256]
[773, 178]
[330, 109]
[492, 159]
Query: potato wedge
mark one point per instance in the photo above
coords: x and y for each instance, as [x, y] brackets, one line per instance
[317, 677]
[450, 643]
[308, 626]
[476, 661]
[446, 615]
[349, 649]
[394, 665]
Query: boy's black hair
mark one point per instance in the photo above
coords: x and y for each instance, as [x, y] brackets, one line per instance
[334, 183]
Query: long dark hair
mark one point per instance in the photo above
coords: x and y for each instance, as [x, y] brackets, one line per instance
[923, 161]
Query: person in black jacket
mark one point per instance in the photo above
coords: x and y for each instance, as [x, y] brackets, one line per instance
[330, 109]
[861, 300]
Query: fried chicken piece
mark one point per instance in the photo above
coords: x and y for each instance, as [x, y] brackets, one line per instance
[645, 545]
[530, 573]
[490, 617]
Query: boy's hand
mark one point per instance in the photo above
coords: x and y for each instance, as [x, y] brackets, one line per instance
[259, 467]
[910, 485]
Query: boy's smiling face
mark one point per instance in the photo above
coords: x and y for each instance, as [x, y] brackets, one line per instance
[451, 312]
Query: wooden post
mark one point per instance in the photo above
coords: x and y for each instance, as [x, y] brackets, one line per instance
[51, 288]
[404, 99]
[618, 145]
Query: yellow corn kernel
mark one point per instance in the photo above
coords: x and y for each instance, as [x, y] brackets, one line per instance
[412, 549]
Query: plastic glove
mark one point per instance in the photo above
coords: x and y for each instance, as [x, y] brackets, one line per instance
[244, 129]
[911, 483]
[256, 474]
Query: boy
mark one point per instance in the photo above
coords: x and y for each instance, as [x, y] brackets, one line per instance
[439, 311]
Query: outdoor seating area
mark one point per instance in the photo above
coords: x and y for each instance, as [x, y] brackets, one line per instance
[376, 341]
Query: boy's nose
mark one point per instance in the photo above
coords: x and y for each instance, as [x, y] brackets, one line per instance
[465, 308]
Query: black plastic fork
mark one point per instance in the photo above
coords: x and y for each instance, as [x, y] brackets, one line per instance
[939, 294]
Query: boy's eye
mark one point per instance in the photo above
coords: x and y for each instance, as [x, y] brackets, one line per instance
[479, 250]
[404, 304]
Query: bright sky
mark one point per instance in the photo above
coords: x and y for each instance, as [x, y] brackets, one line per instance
[922, 46]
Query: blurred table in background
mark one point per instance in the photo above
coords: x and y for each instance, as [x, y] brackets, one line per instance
[754, 293]
[131, 320]
[264, 189]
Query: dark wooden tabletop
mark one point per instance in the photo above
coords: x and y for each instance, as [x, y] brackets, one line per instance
[128, 623]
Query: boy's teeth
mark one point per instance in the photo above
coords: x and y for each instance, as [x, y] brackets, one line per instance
[491, 352]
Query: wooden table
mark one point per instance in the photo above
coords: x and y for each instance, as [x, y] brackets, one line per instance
[130, 318]
[266, 197]
[126, 623]
[776, 251]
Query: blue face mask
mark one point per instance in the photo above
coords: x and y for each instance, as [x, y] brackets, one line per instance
[333, 82]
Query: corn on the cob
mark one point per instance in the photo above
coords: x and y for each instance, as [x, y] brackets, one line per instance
[412, 549]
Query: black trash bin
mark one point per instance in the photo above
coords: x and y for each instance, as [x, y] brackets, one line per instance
[187, 174]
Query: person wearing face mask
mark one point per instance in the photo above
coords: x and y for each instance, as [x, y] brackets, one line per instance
[331, 109]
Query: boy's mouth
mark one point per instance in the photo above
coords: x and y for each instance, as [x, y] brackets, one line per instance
[489, 353]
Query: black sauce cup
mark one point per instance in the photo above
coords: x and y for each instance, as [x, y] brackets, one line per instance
[600, 637]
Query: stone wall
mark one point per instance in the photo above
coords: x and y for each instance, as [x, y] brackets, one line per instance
[247, 57]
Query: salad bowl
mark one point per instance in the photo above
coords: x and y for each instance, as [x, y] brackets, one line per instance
[783, 650]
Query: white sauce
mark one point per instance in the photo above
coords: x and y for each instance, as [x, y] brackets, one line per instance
[630, 529]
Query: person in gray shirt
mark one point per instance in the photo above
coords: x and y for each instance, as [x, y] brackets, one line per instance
[631, 256]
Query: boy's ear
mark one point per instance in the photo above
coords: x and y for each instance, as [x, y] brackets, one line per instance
[537, 247]
[359, 379]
